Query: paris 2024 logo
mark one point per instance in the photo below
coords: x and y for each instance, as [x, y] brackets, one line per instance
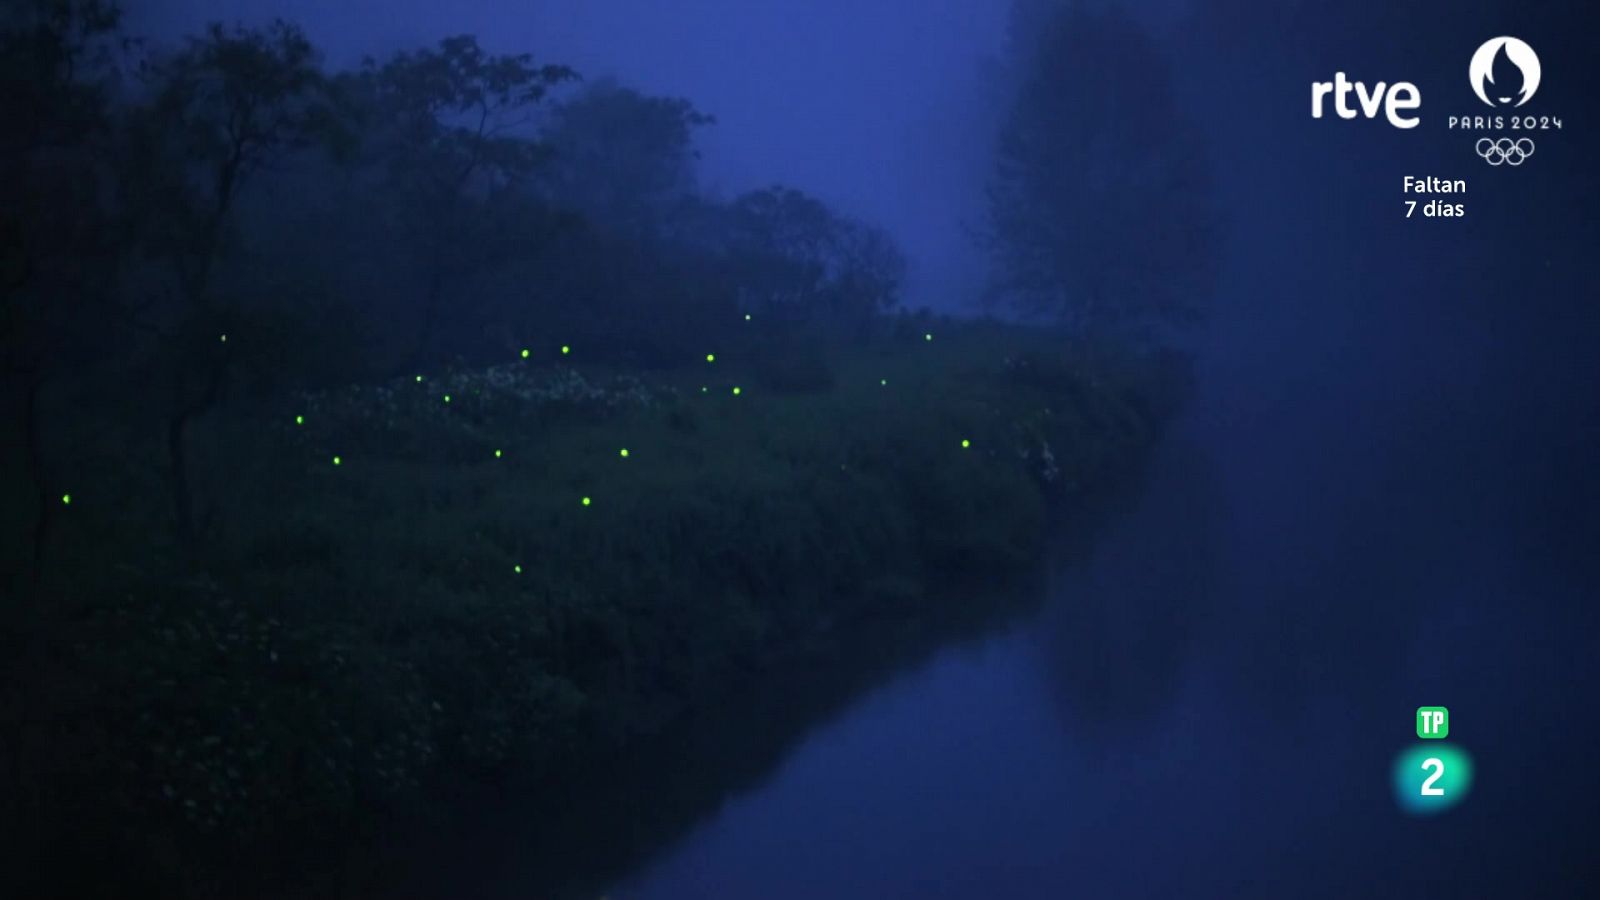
[1505, 73]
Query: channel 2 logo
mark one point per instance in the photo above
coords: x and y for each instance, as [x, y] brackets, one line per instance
[1504, 151]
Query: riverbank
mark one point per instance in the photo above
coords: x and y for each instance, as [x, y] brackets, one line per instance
[506, 569]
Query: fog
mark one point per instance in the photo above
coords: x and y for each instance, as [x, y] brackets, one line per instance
[566, 479]
[883, 112]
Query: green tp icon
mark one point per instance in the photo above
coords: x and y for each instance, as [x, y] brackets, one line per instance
[1433, 722]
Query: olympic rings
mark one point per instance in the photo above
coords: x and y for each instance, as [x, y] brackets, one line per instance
[1504, 151]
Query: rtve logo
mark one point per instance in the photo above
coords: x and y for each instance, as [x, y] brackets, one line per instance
[1391, 99]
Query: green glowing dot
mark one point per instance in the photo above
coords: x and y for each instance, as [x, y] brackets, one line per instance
[419, 379]
[623, 453]
[965, 443]
[299, 420]
[517, 569]
[747, 317]
[704, 389]
[928, 337]
[565, 349]
[447, 398]
[883, 381]
[524, 353]
[711, 357]
[224, 339]
[338, 461]
[497, 454]
[66, 499]
[737, 391]
[586, 501]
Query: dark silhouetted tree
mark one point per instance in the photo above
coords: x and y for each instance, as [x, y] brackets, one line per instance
[231, 103]
[452, 129]
[798, 260]
[624, 160]
[56, 248]
[1100, 208]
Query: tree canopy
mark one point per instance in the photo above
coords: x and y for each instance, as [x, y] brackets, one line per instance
[1100, 212]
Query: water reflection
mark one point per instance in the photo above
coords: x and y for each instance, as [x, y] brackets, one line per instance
[1208, 706]
[1201, 699]
[1125, 621]
[578, 834]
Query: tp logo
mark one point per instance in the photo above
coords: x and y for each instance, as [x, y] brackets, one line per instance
[1504, 72]
[1433, 722]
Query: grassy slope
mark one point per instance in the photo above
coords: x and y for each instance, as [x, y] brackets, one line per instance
[359, 625]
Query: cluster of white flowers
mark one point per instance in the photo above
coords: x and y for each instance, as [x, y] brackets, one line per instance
[1041, 461]
[505, 388]
[1048, 470]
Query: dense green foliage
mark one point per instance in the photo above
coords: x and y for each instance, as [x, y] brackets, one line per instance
[444, 597]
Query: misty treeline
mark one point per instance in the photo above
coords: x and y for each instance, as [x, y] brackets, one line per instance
[226, 216]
